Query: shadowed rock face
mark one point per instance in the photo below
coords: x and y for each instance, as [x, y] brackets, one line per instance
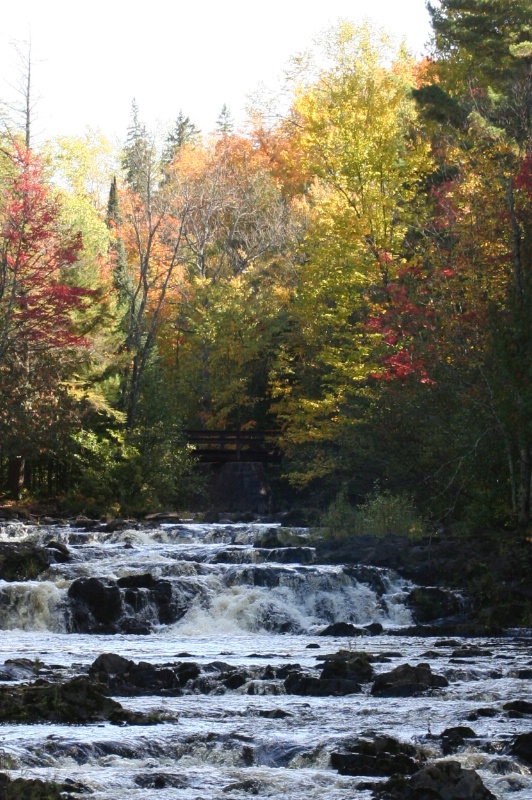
[75, 701]
[382, 757]
[407, 681]
[445, 780]
[21, 561]
[23, 789]
[100, 605]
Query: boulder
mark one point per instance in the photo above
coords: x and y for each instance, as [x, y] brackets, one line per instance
[96, 605]
[382, 757]
[454, 738]
[407, 681]
[444, 780]
[342, 629]
[123, 677]
[302, 684]
[29, 789]
[347, 666]
[75, 701]
[522, 748]
[430, 603]
[23, 561]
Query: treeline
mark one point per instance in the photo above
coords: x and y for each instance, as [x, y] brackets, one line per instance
[355, 274]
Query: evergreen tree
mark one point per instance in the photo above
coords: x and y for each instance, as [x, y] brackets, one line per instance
[183, 132]
[121, 276]
[225, 124]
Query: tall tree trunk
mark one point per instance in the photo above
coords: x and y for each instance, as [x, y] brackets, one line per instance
[15, 476]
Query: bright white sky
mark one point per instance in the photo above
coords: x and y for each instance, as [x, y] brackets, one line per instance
[91, 59]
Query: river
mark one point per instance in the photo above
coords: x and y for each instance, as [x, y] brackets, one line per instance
[233, 609]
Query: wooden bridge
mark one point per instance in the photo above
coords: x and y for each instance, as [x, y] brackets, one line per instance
[225, 446]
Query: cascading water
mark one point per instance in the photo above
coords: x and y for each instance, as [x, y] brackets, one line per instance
[218, 625]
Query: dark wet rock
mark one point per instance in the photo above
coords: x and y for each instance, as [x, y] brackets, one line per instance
[94, 598]
[274, 713]
[18, 669]
[121, 676]
[374, 628]
[248, 786]
[140, 589]
[444, 780]
[382, 757]
[522, 748]
[342, 629]
[407, 681]
[371, 576]
[132, 604]
[518, 708]
[470, 652]
[59, 551]
[347, 665]
[23, 561]
[524, 674]
[234, 680]
[75, 701]
[268, 539]
[454, 738]
[481, 712]
[30, 789]
[160, 780]
[301, 683]
[313, 646]
[430, 603]
[119, 524]
[300, 518]
[447, 643]
[291, 555]
[276, 620]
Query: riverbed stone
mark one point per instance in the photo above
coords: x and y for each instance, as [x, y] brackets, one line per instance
[121, 676]
[429, 603]
[443, 780]
[23, 561]
[75, 701]
[522, 747]
[381, 757]
[342, 629]
[30, 789]
[454, 738]
[407, 681]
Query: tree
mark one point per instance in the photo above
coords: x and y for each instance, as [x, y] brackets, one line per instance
[184, 132]
[359, 137]
[225, 125]
[39, 311]
[154, 213]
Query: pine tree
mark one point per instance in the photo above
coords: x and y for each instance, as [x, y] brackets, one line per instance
[183, 132]
[225, 124]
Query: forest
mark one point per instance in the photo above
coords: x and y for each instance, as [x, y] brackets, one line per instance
[353, 276]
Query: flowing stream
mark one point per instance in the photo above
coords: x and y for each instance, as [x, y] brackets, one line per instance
[234, 610]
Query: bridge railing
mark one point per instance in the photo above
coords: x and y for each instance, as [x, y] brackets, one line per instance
[233, 445]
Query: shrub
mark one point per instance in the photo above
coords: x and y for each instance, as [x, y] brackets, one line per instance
[382, 513]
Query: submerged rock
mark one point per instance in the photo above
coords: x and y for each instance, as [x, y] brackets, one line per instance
[407, 681]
